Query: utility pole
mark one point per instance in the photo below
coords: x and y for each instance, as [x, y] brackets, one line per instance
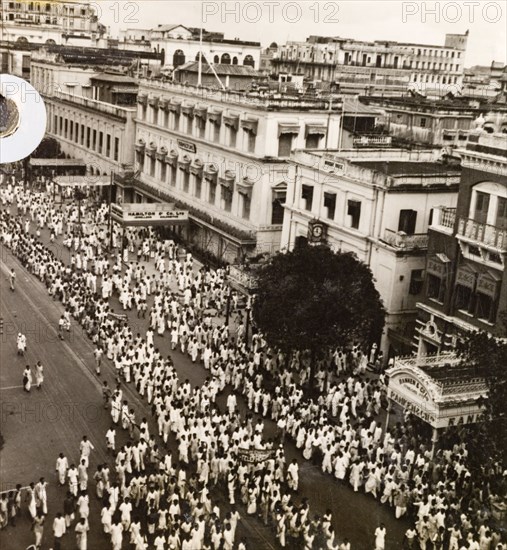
[110, 209]
[228, 306]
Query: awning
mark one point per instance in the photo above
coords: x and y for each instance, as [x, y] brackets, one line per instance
[196, 168]
[315, 130]
[151, 150]
[172, 158]
[288, 129]
[153, 101]
[57, 162]
[200, 112]
[232, 121]
[245, 186]
[187, 110]
[174, 107]
[161, 154]
[82, 181]
[250, 125]
[215, 117]
[184, 164]
[466, 276]
[227, 180]
[488, 283]
[211, 173]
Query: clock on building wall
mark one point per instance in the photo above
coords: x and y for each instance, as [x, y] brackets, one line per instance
[317, 231]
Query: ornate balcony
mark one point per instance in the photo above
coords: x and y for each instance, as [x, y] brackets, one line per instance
[444, 219]
[401, 240]
[483, 234]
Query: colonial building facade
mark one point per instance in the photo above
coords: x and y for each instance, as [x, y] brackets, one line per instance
[223, 156]
[380, 67]
[466, 283]
[179, 44]
[39, 22]
[377, 204]
[99, 133]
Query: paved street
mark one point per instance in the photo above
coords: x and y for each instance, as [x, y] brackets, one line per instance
[39, 425]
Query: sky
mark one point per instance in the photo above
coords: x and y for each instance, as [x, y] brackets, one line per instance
[268, 21]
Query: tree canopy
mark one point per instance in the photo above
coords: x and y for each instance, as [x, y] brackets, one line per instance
[489, 356]
[312, 298]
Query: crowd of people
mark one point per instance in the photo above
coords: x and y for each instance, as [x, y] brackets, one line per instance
[162, 501]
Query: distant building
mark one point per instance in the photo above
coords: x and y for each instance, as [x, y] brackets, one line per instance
[179, 45]
[484, 81]
[71, 23]
[376, 203]
[233, 77]
[444, 122]
[376, 68]
[69, 69]
[465, 286]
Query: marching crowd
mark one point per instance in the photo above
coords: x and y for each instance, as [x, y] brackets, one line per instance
[158, 500]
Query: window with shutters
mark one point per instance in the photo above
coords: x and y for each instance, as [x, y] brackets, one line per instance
[186, 180]
[481, 207]
[463, 298]
[407, 221]
[284, 145]
[354, 213]
[198, 186]
[212, 192]
[501, 214]
[116, 148]
[307, 196]
[312, 141]
[277, 212]
[330, 205]
[416, 282]
[485, 308]
[226, 198]
[245, 210]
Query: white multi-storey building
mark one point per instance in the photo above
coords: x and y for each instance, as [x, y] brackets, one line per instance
[179, 45]
[223, 156]
[70, 22]
[377, 204]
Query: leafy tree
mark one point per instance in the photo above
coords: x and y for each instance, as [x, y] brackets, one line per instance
[49, 148]
[489, 357]
[314, 299]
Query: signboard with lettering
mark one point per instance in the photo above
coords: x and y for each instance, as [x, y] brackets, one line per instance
[254, 456]
[421, 395]
[186, 146]
[148, 214]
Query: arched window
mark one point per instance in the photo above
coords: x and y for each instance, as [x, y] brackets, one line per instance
[216, 59]
[199, 55]
[234, 60]
[249, 60]
[50, 42]
[178, 58]
[226, 59]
